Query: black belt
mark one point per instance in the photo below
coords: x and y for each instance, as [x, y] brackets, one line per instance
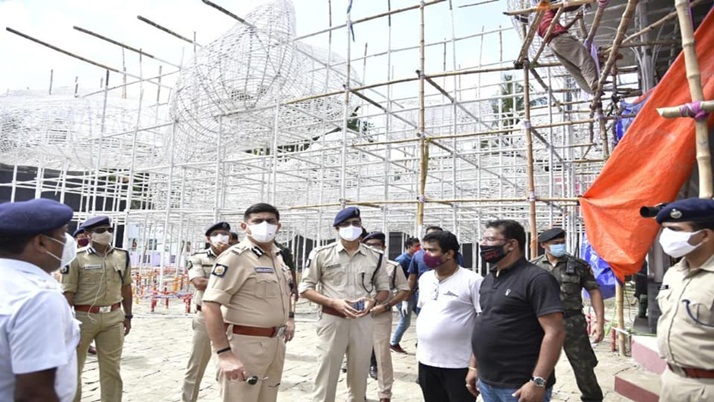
[571, 313]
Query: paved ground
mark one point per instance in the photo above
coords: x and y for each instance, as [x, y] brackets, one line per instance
[156, 351]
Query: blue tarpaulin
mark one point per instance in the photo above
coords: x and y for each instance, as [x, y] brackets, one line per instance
[603, 274]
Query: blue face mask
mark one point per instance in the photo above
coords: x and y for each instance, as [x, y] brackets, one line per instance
[557, 250]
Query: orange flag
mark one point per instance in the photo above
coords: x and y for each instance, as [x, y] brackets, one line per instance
[655, 157]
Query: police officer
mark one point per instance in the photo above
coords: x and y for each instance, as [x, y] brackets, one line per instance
[81, 237]
[38, 334]
[246, 305]
[685, 330]
[382, 319]
[347, 272]
[98, 284]
[574, 274]
[199, 269]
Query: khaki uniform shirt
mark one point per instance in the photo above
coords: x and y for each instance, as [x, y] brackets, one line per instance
[683, 341]
[397, 280]
[343, 277]
[571, 284]
[200, 265]
[252, 286]
[96, 280]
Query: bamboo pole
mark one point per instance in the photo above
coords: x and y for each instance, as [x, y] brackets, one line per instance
[594, 26]
[612, 58]
[695, 89]
[553, 23]
[529, 155]
[529, 37]
[423, 144]
[448, 202]
[683, 111]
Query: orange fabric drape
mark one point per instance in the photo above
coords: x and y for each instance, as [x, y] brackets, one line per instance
[648, 166]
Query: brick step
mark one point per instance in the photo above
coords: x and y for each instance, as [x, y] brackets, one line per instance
[644, 353]
[638, 385]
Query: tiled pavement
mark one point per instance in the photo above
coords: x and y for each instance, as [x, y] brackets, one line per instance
[156, 352]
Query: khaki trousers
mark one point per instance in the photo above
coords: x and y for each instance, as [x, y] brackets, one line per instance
[262, 357]
[577, 60]
[382, 324]
[676, 388]
[198, 360]
[337, 336]
[107, 332]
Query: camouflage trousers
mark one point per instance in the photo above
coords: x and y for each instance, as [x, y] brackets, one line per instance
[582, 358]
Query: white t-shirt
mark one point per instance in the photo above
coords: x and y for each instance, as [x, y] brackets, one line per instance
[37, 329]
[446, 319]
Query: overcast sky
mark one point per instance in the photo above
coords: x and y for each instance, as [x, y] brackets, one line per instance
[25, 64]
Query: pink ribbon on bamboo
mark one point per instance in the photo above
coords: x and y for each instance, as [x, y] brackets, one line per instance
[693, 109]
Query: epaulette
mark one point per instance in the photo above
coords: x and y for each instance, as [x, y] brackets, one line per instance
[325, 247]
[84, 249]
[239, 249]
[580, 261]
[200, 252]
[378, 252]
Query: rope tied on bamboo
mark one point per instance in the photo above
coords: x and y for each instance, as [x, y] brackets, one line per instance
[532, 197]
[422, 199]
[526, 124]
[694, 110]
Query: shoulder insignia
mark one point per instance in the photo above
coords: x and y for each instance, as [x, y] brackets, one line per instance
[64, 270]
[257, 251]
[325, 247]
[219, 270]
[238, 249]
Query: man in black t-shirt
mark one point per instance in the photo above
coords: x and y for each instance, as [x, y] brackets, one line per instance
[517, 338]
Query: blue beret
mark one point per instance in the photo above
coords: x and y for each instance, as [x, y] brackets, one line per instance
[347, 213]
[78, 232]
[33, 217]
[218, 226]
[687, 210]
[96, 221]
[375, 235]
[551, 234]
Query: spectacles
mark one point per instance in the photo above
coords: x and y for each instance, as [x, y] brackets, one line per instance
[102, 230]
[490, 239]
[345, 224]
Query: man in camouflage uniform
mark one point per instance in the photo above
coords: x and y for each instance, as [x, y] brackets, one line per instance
[574, 274]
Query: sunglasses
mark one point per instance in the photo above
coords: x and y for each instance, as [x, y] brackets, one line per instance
[102, 230]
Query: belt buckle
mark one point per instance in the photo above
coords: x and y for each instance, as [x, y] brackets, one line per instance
[105, 309]
[678, 370]
[281, 332]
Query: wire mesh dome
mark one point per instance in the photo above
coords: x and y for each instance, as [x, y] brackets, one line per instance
[232, 85]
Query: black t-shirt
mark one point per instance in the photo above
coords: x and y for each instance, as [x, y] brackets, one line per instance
[507, 335]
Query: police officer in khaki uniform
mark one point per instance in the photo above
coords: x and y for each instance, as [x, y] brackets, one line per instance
[348, 272]
[98, 283]
[382, 318]
[199, 269]
[685, 330]
[574, 275]
[246, 305]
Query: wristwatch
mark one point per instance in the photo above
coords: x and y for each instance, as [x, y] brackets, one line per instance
[539, 381]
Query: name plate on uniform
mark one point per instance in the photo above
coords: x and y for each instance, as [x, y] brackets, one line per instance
[93, 266]
[264, 270]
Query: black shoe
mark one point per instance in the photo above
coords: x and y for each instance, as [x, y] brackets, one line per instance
[373, 372]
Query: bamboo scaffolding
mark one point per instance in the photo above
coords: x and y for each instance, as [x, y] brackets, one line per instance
[523, 54]
[612, 58]
[695, 89]
[529, 155]
[552, 5]
[423, 144]
[594, 26]
[683, 111]
[548, 33]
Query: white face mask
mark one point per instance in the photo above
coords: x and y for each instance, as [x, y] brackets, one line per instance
[69, 250]
[350, 233]
[102, 238]
[219, 240]
[263, 232]
[676, 243]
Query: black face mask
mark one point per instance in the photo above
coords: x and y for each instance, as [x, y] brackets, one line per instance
[492, 254]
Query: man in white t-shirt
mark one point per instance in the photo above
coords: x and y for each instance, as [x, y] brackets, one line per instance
[449, 302]
[38, 332]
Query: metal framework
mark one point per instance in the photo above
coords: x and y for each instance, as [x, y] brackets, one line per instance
[262, 114]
